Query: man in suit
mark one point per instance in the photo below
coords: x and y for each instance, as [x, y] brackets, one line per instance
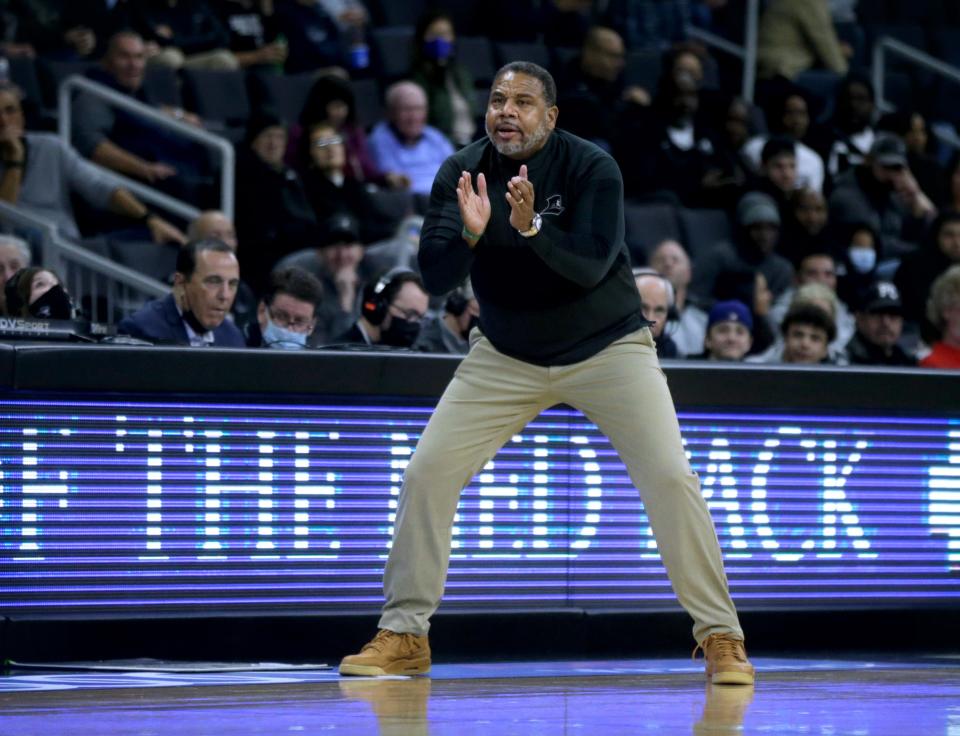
[195, 313]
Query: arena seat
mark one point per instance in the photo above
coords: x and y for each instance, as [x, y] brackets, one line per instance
[647, 224]
[506, 52]
[701, 229]
[369, 101]
[285, 94]
[220, 98]
[476, 54]
[391, 48]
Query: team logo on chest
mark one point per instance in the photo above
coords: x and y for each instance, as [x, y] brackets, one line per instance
[554, 206]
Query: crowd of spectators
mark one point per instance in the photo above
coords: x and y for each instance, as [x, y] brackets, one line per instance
[842, 243]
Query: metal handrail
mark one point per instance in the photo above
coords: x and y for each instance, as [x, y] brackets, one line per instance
[63, 257]
[125, 102]
[747, 53]
[915, 56]
[886, 43]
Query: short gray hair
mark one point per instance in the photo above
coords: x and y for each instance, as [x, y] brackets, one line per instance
[944, 293]
[20, 244]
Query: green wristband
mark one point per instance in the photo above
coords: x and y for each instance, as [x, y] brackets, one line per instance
[469, 234]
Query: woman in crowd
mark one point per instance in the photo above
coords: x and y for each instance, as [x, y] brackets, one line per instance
[448, 84]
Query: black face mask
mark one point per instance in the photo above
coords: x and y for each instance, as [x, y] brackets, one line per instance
[474, 322]
[401, 333]
[55, 304]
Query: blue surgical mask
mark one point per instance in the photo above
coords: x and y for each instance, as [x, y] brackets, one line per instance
[439, 49]
[275, 336]
[862, 259]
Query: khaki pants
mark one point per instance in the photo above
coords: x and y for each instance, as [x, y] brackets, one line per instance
[492, 397]
[217, 60]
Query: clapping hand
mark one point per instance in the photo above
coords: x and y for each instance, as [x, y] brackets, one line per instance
[474, 206]
[520, 198]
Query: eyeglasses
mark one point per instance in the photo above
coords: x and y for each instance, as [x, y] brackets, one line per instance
[288, 322]
[324, 142]
[411, 315]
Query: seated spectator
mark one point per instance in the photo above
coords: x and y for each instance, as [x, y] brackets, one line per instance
[314, 39]
[336, 262]
[883, 193]
[392, 311]
[287, 313]
[331, 100]
[788, 113]
[252, 28]
[688, 322]
[847, 139]
[404, 143]
[917, 272]
[911, 128]
[662, 149]
[449, 86]
[778, 171]
[756, 236]
[748, 286]
[729, 332]
[817, 268]
[951, 185]
[328, 188]
[807, 332]
[645, 25]
[274, 214]
[730, 172]
[826, 298]
[352, 18]
[39, 173]
[565, 22]
[400, 250]
[14, 255]
[448, 332]
[858, 262]
[593, 92]
[879, 328]
[195, 312]
[794, 37]
[656, 303]
[215, 225]
[804, 228]
[37, 293]
[70, 31]
[182, 34]
[132, 145]
[943, 311]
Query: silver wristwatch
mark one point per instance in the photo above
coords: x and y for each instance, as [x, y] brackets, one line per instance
[535, 226]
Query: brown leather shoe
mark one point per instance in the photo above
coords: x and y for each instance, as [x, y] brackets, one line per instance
[726, 660]
[389, 653]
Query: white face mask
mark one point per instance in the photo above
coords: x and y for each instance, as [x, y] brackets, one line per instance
[862, 259]
[275, 336]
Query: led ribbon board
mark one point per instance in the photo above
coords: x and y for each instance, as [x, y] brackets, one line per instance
[139, 506]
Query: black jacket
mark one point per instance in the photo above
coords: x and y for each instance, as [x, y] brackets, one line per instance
[560, 296]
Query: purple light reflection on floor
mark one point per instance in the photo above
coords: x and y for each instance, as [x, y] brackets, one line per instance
[903, 698]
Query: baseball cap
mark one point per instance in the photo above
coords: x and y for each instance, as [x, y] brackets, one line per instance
[889, 150]
[881, 297]
[756, 207]
[341, 227]
[730, 311]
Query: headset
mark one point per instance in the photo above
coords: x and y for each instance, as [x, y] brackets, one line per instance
[376, 297]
